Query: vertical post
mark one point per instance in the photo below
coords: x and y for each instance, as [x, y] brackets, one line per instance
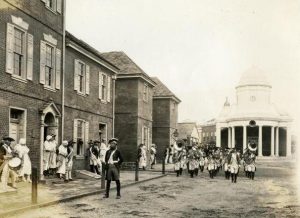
[277, 142]
[233, 137]
[260, 141]
[288, 141]
[163, 165]
[34, 185]
[272, 141]
[136, 171]
[229, 138]
[244, 137]
[218, 130]
[103, 174]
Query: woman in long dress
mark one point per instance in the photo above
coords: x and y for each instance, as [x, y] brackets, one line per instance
[142, 156]
[22, 150]
[62, 159]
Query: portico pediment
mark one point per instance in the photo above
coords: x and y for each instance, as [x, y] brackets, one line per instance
[52, 108]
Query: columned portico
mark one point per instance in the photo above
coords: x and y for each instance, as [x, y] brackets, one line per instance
[233, 137]
[229, 137]
[272, 141]
[277, 142]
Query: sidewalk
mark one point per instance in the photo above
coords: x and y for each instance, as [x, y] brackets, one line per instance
[55, 191]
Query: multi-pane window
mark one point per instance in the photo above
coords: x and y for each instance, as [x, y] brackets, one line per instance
[80, 137]
[145, 93]
[54, 5]
[49, 72]
[18, 52]
[81, 76]
[103, 85]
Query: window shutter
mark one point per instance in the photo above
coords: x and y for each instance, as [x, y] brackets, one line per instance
[76, 73]
[100, 85]
[57, 68]
[108, 88]
[87, 79]
[9, 48]
[75, 133]
[86, 137]
[58, 6]
[42, 62]
[29, 56]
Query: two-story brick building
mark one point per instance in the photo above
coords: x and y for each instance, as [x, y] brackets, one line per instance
[133, 111]
[88, 98]
[165, 116]
[31, 45]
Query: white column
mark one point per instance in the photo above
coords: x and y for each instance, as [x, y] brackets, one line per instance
[288, 141]
[233, 137]
[244, 137]
[218, 136]
[277, 142]
[229, 137]
[259, 141]
[272, 141]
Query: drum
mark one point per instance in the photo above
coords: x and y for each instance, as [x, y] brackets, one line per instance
[14, 163]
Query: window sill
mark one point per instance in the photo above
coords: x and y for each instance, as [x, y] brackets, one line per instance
[51, 9]
[18, 78]
[81, 94]
[49, 88]
[103, 101]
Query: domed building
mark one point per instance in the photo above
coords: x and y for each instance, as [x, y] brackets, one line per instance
[254, 118]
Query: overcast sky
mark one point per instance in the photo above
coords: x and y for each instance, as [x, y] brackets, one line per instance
[199, 49]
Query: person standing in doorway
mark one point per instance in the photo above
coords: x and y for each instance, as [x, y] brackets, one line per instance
[113, 161]
[46, 156]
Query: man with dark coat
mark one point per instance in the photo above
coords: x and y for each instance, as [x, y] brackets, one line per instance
[113, 161]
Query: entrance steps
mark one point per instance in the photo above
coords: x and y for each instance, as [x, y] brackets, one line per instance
[84, 174]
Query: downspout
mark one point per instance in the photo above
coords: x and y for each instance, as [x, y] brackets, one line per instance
[63, 72]
[114, 78]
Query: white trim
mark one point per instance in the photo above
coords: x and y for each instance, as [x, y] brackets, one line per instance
[141, 76]
[49, 88]
[18, 78]
[92, 58]
[20, 22]
[106, 136]
[49, 38]
[25, 119]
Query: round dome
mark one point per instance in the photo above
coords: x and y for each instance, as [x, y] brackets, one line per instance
[254, 76]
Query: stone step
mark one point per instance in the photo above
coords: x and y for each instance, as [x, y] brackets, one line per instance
[84, 174]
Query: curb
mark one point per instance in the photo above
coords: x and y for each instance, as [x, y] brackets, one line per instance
[50, 203]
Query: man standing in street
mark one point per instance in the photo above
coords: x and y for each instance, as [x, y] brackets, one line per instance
[113, 161]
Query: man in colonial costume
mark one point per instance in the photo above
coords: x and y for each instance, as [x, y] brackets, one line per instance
[94, 157]
[69, 160]
[6, 154]
[152, 155]
[191, 160]
[249, 160]
[178, 158]
[113, 161]
[234, 160]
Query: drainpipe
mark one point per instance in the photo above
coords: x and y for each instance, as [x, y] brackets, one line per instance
[113, 106]
[63, 72]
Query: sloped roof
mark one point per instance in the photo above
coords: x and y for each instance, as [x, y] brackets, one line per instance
[187, 129]
[71, 37]
[126, 65]
[161, 90]
[254, 76]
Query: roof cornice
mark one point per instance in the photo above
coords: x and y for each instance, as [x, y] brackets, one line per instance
[99, 61]
[168, 97]
[136, 76]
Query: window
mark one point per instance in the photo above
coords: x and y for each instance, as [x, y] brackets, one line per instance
[50, 65]
[80, 135]
[53, 5]
[19, 51]
[104, 87]
[17, 124]
[49, 68]
[145, 93]
[81, 77]
[103, 131]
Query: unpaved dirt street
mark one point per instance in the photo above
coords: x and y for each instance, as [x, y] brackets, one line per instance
[189, 197]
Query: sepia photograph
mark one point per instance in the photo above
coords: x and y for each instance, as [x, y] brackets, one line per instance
[149, 108]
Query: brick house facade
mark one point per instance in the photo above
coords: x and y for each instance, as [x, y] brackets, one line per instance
[89, 82]
[165, 116]
[133, 113]
[30, 81]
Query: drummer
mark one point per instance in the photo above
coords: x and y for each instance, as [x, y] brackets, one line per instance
[6, 153]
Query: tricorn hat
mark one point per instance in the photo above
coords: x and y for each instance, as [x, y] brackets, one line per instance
[7, 138]
[113, 140]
